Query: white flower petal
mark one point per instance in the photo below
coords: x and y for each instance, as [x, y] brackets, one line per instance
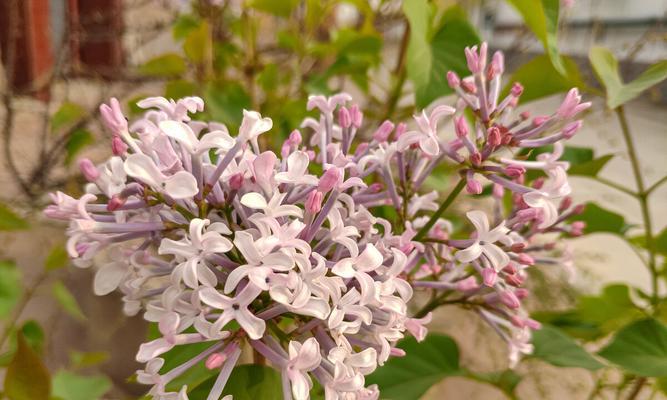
[254, 200]
[181, 185]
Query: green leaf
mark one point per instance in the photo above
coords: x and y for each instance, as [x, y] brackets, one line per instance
[57, 258]
[79, 359]
[27, 378]
[506, 380]
[180, 88]
[198, 45]
[34, 335]
[424, 365]
[70, 386]
[606, 69]
[640, 348]
[610, 310]
[226, 103]
[67, 114]
[556, 348]
[183, 25]
[599, 219]
[429, 59]
[164, 66]
[660, 242]
[247, 382]
[542, 18]
[282, 8]
[67, 301]
[590, 168]
[540, 79]
[9, 221]
[76, 142]
[10, 287]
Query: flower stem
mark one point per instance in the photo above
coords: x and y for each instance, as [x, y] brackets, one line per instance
[434, 218]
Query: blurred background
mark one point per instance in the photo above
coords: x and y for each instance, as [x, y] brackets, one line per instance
[62, 58]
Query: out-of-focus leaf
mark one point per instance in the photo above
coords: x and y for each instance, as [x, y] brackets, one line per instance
[70, 386]
[34, 335]
[67, 114]
[540, 79]
[67, 301]
[582, 160]
[590, 168]
[180, 88]
[226, 102]
[506, 380]
[606, 69]
[198, 45]
[76, 142]
[282, 8]
[556, 348]
[424, 365]
[193, 377]
[10, 221]
[163, 66]
[640, 348]
[57, 258]
[10, 287]
[610, 310]
[660, 242]
[541, 16]
[599, 219]
[27, 378]
[247, 382]
[80, 359]
[268, 78]
[183, 25]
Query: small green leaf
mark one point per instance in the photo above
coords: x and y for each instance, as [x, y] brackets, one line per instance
[183, 25]
[67, 301]
[556, 348]
[76, 142]
[590, 168]
[10, 221]
[540, 79]
[424, 365]
[506, 380]
[180, 88]
[282, 8]
[34, 335]
[606, 69]
[27, 378]
[198, 45]
[67, 114]
[640, 348]
[660, 242]
[80, 359]
[57, 258]
[599, 219]
[247, 382]
[70, 386]
[226, 103]
[164, 66]
[10, 287]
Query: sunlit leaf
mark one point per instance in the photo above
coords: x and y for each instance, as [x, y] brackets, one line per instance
[10, 221]
[599, 219]
[67, 114]
[556, 348]
[57, 258]
[77, 141]
[198, 45]
[540, 79]
[80, 359]
[27, 378]
[165, 65]
[67, 301]
[10, 287]
[70, 386]
[282, 8]
[640, 348]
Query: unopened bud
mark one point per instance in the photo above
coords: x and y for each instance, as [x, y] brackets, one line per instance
[89, 170]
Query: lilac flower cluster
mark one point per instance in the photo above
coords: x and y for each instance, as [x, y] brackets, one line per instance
[218, 241]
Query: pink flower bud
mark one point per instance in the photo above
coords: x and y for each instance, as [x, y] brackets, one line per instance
[494, 137]
[361, 149]
[118, 147]
[113, 116]
[540, 119]
[577, 228]
[375, 187]
[461, 126]
[498, 191]
[565, 203]
[517, 321]
[311, 155]
[476, 158]
[467, 284]
[469, 85]
[400, 130]
[521, 293]
[518, 247]
[356, 116]
[527, 214]
[532, 324]
[115, 203]
[571, 105]
[489, 276]
[396, 352]
[571, 129]
[510, 269]
[538, 183]
[517, 89]
[314, 201]
[295, 138]
[514, 171]
[509, 299]
[344, 118]
[453, 80]
[496, 67]
[215, 360]
[89, 170]
[329, 179]
[236, 181]
[525, 259]
[382, 133]
[514, 280]
[579, 209]
[525, 115]
[473, 186]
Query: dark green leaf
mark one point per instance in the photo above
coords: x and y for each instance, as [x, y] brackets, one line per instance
[180, 88]
[598, 219]
[27, 378]
[198, 45]
[10, 287]
[34, 335]
[67, 301]
[590, 168]
[640, 348]
[183, 25]
[226, 102]
[247, 382]
[554, 347]
[10, 221]
[70, 386]
[57, 258]
[424, 365]
[610, 310]
[163, 66]
[76, 142]
[540, 79]
[67, 114]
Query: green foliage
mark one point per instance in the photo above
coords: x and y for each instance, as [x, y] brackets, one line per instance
[67, 114]
[541, 16]
[10, 221]
[70, 386]
[198, 45]
[10, 287]
[605, 66]
[424, 365]
[582, 160]
[180, 88]
[554, 347]
[164, 66]
[225, 103]
[193, 377]
[27, 378]
[281, 8]
[80, 359]
[34, 335]
[430, 57]
[77, 141]
[540, 79]
[67, 301]
[640, 348]
[506, 380]
[247, 382]
[599, 219]
[57, 258]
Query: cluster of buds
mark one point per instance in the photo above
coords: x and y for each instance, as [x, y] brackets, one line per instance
[218, 241]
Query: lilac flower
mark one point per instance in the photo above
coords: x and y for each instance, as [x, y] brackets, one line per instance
[484, 242]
